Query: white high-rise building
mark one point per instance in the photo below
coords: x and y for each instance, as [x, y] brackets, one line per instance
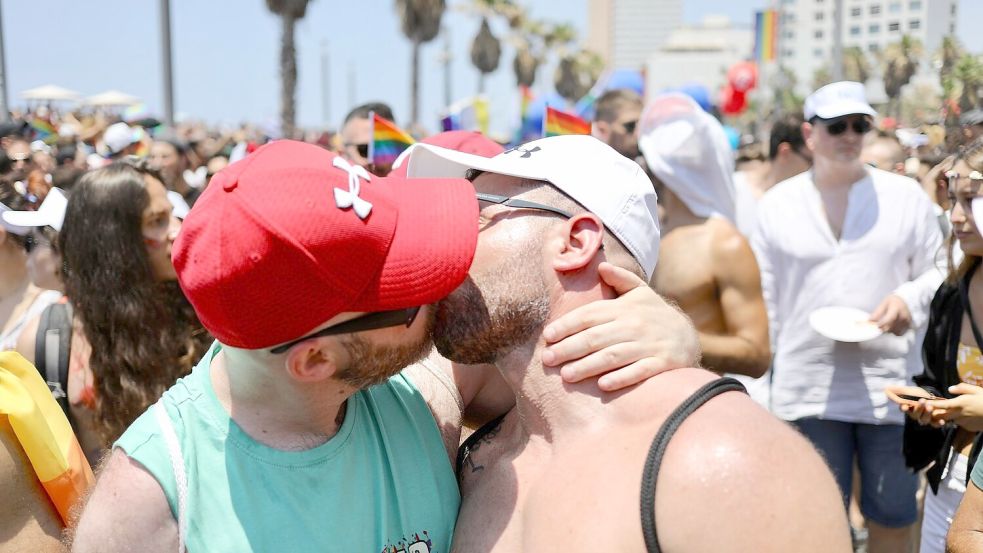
[805, 42]
[626, 32]
[699, 54]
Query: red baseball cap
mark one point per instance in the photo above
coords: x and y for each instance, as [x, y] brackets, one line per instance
[469, 142]
[292, 235]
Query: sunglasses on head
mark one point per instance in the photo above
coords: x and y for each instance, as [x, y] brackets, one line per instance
[836, 127]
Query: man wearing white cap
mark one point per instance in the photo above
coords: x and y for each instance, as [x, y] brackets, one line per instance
[570, 468]
[861, 243]
[121, 140]
[705, 265]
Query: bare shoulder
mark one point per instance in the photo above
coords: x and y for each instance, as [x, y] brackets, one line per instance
[127, 511]
[28, 519]
[736, 467]
[726, 240]
[28, 337]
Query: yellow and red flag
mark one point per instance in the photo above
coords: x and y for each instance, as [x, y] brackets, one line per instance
[44, 433]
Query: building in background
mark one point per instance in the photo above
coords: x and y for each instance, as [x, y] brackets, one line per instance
[699, 54]
[626, 32]
[806, 30]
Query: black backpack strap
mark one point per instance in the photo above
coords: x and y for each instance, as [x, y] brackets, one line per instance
[658, 449]
[52, 346]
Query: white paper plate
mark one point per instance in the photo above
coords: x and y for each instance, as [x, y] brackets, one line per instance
[844, 324]
[978, 211]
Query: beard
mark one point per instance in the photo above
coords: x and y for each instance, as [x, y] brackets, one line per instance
[370, 363]
[479, 326]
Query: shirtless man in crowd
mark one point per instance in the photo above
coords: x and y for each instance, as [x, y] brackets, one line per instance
[566, 469]
[705, 265]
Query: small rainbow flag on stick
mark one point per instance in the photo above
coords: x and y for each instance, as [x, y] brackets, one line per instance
[765, 35]
[557, 122]
[388, 141]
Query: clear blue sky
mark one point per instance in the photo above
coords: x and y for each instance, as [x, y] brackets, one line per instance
[225, 53]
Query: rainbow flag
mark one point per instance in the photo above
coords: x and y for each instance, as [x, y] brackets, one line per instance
[557, 122]
[766, 35]
[388, 141]
[470, 114]
[527, 98]
[44, 433]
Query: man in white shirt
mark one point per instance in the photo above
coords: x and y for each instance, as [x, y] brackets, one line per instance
[844, 234]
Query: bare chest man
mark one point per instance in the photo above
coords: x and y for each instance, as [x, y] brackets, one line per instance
[685, 274]
[577, 490]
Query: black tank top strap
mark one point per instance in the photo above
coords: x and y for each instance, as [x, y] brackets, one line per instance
[658, 449]
[465, 449]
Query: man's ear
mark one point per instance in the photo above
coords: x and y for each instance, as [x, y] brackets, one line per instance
[807, 134]
[582, 237]
[312, 360]
[601, 130]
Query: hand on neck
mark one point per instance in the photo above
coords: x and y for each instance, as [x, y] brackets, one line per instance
[546, 405]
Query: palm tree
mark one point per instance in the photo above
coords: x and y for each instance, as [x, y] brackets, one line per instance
[289, 11]
[420, 22]
[821, 77]
[900, 64]
[947, 56]
[969, 72]
[856, 67]
[486, 51]
[577, 73]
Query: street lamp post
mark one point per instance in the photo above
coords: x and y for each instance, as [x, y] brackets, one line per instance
[165, 42]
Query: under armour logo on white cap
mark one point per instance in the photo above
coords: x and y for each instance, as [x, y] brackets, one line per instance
[525, 152]
[349, 198]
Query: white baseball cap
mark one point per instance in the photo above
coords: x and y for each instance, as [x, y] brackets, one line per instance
[836, 100]
[587, 170]
[120, 135]
[51, 213]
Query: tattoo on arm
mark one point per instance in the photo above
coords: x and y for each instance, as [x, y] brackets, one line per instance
[485, 439]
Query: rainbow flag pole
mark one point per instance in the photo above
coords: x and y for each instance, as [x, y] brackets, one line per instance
[388, 141]
[556, 122]
[765, 35]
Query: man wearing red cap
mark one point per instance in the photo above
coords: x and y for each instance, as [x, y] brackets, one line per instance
[297, 431]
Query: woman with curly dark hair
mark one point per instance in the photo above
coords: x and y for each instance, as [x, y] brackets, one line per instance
[133, 333]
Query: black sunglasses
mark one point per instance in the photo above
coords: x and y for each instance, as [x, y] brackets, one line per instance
[363, 150]
[630, 126]
[520, 204]
[836, 127]
[370, 321]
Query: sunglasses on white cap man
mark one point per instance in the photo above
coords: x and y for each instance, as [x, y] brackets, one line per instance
[51, 213]
[587, 170]
[837, 99]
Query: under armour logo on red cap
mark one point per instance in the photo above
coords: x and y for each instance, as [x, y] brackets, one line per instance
[349, 198]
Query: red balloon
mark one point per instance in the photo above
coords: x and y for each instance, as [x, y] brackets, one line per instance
[732, 102]
[743, 76]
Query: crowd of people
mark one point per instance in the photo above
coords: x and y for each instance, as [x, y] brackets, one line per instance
[578, 342]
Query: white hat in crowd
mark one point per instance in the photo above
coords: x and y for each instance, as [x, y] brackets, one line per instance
[687, 149]
[120, 135]
[587, 170]
[836, 100]
[51, 213]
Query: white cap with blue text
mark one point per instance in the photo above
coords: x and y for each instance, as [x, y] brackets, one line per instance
[836, 100]
[587, 170]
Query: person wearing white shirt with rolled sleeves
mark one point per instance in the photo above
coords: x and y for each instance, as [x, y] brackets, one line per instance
[847, 235]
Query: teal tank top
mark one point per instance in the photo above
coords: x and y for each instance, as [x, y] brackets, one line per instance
[382, 484]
